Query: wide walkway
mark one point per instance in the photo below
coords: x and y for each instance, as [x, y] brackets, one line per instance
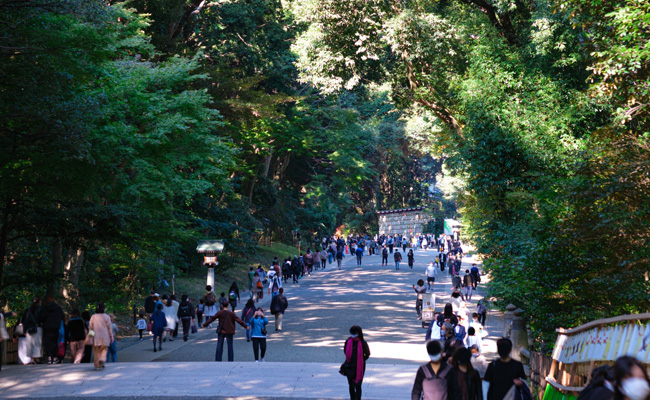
[301, 362]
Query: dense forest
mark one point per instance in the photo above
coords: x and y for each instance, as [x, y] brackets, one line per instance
[132, 129]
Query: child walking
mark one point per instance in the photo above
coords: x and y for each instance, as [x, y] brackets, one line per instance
[142, 325]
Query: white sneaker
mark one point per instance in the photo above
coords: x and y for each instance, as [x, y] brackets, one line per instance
[256, 361]
[262, 360]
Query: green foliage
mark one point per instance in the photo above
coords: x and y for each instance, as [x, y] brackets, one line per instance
[540, 111]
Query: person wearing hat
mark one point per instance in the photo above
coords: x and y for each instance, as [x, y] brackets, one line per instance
[450, 340]
[435, 379]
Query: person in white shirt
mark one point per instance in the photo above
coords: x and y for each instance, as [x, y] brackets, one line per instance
[473, 339]
[431, 273]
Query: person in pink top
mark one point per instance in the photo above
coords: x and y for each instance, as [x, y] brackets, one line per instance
[101, 334]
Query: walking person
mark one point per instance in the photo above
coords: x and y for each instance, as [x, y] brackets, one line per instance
[199, 311]
[295, 268]
[275, 285]
[476, 275]
[286, 270]
[29, 345]
[469, 381]
[225, 330]
[172, 319]
[398, 258]
[323, 258]
[410, 257]
[247, 314]
[111, 353]
[384, 256]
[50, 318]
[468, 283]
[359, 254]
[258, 334]
[420, 290]
[186, 315]
[101, 334]
[233, 295]
[339, 258]
[75, 335]
[357, 352]
[278, 305]
[158, 324]
[210, 302]
[481, 310]
[503, 372]
[88, 348]
[431, 273]
[141, 325]
[435, 379]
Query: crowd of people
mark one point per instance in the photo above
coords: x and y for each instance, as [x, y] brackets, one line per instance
[457, 367]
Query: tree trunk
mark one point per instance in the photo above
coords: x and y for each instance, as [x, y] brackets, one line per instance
[56, 267]
[4, 232]
[70, 284]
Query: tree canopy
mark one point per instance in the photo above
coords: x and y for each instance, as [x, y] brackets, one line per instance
[132, 129]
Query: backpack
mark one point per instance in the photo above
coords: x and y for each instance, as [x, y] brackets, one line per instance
[434, 387]
[232, 295]
[185, 311]
[210, 299]
[276, 286]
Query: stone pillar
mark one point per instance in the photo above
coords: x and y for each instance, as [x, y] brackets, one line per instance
[509, 315]
[518, 334]
[210, 280]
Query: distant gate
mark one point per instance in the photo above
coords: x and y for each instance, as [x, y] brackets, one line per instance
[403, 221]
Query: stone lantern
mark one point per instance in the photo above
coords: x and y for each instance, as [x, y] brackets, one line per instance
[209, 249]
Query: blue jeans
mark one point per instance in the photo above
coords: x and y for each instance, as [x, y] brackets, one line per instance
[396, 264]
[330, 258]
[112, 352]
[231, 351]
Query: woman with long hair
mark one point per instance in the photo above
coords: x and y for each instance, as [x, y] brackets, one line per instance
[246, 315]
[469, 381]
[447, 316]
[356, 353]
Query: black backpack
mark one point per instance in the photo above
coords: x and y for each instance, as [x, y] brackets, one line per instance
[185, 311]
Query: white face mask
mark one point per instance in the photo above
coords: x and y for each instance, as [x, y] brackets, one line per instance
[353, 336]
[435, 358]
[475, 355]
[635, 388]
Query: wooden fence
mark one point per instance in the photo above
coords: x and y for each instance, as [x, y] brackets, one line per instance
[9, 349]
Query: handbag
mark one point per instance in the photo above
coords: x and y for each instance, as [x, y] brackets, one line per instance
[264, 331]
[19, 330]
[194, 328]
[219, 329]
[346, 370]
[61, 350]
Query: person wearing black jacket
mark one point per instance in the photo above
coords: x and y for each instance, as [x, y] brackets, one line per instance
[29, 345]
[75, 335]
[51, 316]
[469, 381]
[150, 304]
[436, 379]
[186, 315]
[278, 305]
